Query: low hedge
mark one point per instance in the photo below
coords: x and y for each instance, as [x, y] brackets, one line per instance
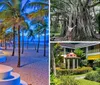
[73, 71]
[82, 70]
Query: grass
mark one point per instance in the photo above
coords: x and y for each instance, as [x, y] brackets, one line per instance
[81, 74]
[84, 81]
[78, 75]
[87, 82]
[55, 34]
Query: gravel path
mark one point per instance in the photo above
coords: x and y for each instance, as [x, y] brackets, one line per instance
[34, 66]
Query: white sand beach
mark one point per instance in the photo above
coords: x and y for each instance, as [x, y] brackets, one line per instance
[34, 66]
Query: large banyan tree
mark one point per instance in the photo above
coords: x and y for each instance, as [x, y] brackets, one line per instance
[77, 18]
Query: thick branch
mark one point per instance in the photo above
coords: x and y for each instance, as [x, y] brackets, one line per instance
[94, 4]
[86, 3]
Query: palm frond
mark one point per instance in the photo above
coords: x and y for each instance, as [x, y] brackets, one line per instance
[43, 12]
[25, 25]
[43, 4]
[6, 14]
[6, 3]
[25, 5]
[16, 3]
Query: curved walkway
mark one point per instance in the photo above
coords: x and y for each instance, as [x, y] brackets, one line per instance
[80, 77]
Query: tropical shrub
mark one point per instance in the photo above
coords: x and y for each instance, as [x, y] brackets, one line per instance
[97, 63]
[93, 76]
[82, 70]
[80, 53]
[98, 70]
[73, 71]
[67, 80]
[84, 62]
[63, 80]
[63, 72]
[62, 65]
[54, 80]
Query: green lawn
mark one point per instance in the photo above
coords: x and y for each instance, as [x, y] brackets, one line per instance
[87, 82]
[84, 81]
[55, 34]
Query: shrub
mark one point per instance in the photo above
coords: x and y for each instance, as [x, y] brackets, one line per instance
[98, 70]
[64, 72]
[93, 76]
[63, 80]
[84, 62]
[67, 80]
[97, 63]
[54, 80]
[82, 70]
[62, 65]
[73, 71]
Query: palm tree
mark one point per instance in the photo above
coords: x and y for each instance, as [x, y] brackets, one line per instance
[31, 34]
[22, 41]
[44, 27]
[15, 18]
[13, 41]
[24, 28]
[38, 32]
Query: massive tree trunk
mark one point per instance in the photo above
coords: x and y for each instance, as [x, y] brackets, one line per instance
[80, 17]
[13, 52]
[18, 65]
[64, 28]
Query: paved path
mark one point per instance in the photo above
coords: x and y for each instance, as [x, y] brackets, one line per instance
[80, 77]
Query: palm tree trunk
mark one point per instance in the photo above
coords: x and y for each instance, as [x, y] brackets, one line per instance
[27, 43]
[22, 41]
[35, 45]
[5, 44]
[38, 43]
[13, 41]
[18, 65]
[44, 42]
[1, 43]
